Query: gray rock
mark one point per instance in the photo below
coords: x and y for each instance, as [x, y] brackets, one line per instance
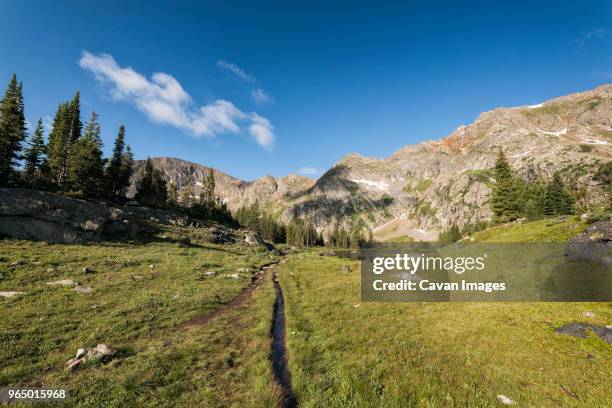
[9, 294]
[345, 268]
[63, 282]
[234, 276]
[580, 330]
[82, 289]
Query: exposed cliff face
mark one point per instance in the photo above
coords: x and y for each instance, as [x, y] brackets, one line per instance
[422, 189]
[235, 192]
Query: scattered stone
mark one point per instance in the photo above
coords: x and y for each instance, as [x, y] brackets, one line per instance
[137, 277]
[151, 266]
[209, 273]
[244, 270]
[88, 270]
[101, 352]
[96, 307]
[176, 296]
[357, 305]
[505, 400]
[345, 268]
[82, 289]
[36, 263]
[50, 270]
[588, 314]
[234, 276]
[10, 294]
[63, 282]
[580, 330]
[15, 264]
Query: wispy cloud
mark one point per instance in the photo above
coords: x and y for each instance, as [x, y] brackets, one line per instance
[309, 171]
[590, 35]
[236, 72]
[164, 101]
[258, 94]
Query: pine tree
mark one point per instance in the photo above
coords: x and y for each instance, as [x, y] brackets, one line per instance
[127, 169]
[85, 163]
[507, 193]
[187, 194]
[58, 145]
[557, 199]
[209, 186]
[172, 196]
[34, 156]
[74, 125]
[115, 170]
[12, 129]
[151, 187]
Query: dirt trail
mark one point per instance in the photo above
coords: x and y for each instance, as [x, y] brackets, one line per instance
[256, 280]
[278, 353]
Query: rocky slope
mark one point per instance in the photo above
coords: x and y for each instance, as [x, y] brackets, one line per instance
[236, 193]
[422, 189]
[40, 215]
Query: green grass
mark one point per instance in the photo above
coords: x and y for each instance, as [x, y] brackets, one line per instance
[159, 363]
[548, 230]
[343, 352]
[417, 185]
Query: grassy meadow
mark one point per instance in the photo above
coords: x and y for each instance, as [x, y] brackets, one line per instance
[342, 352]
[141, 294]
[348, 353]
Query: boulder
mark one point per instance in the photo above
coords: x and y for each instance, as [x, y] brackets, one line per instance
[594, 244]
[101, 353]
[580, 330]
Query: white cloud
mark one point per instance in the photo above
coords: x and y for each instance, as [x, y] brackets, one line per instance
[309, 171]
[261, 130]
[164, 101]
[236, 71]
[258, 94]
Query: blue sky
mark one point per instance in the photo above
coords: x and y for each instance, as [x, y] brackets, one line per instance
[255, 88]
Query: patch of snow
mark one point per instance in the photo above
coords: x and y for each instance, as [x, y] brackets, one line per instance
[539, 105]
[383, 226]
[559, 133]
[380, 185]
[594, 141]
[514, 156]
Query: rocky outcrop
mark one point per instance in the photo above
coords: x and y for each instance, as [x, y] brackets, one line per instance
[31, 214]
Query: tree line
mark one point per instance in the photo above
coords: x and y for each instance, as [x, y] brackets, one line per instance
[71, 161]
[152, 190]
[513, 198]
[301, 232]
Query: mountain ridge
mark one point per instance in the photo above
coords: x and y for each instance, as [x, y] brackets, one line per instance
[434, 183]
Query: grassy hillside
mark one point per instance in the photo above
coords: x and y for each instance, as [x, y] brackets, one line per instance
[558, 229]
[141, 294]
